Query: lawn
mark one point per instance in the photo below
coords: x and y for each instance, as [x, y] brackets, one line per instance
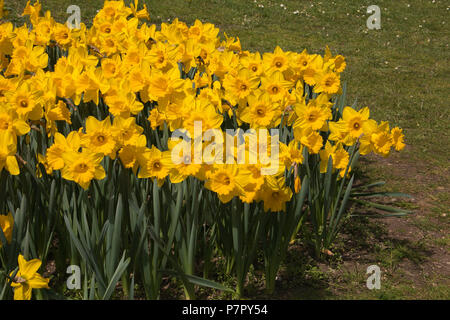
[401, 73]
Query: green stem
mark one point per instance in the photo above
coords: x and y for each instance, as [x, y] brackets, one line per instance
[125, 285]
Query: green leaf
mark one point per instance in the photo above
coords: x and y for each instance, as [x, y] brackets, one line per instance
[383, 207]
[115, 278]
[370, 185]
[202, 281]
[117, 234]
[87, 255]
[380, 194]
[341, 208]
[131, 290]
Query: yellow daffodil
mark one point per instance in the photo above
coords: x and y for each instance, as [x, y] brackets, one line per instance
[314, 115]
[56, 112]
[328, 82]
[126, 131]
[376, 138]
[54, 155]
[155, 163]
[62, 35]
[309, 138]
[82, 167]
[99, 137]
[339, 133]
[313, 68]
[91, 82]
[25, 102]
[202, 111]
[187, 166]
[238, 86]
[162, 56]
[275, 85]
[227, 181]
[27, 57]
[43, 29]
[397, 138]
[32, 10]
[11, 124]
[338, 155]
[141, 14]
[300, 61]
[261, 112]
[27, 278]
[353, 120]
[253, 63]
[131, 151]
[295, 153]
[8, 154]
[276, 61]
[382, 139]
[275, 194]
[123, 104]
[164, 85]
[6, 224]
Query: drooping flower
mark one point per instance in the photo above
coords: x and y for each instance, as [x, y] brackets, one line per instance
[27, 278]
[275, 194]
[130, 152]
[11, 124]
[309, 138]
[339, 157]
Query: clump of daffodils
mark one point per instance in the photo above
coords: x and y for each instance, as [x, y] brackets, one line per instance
[146, 79]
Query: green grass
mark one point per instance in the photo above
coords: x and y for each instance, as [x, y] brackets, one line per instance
[400, 71]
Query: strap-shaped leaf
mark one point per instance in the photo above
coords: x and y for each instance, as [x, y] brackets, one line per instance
[202, 281]
[380, 194]
[383, 207]
[122, 266]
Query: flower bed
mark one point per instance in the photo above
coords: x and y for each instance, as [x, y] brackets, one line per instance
[136, 152]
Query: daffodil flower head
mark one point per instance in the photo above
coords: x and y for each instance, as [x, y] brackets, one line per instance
[27, 278]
